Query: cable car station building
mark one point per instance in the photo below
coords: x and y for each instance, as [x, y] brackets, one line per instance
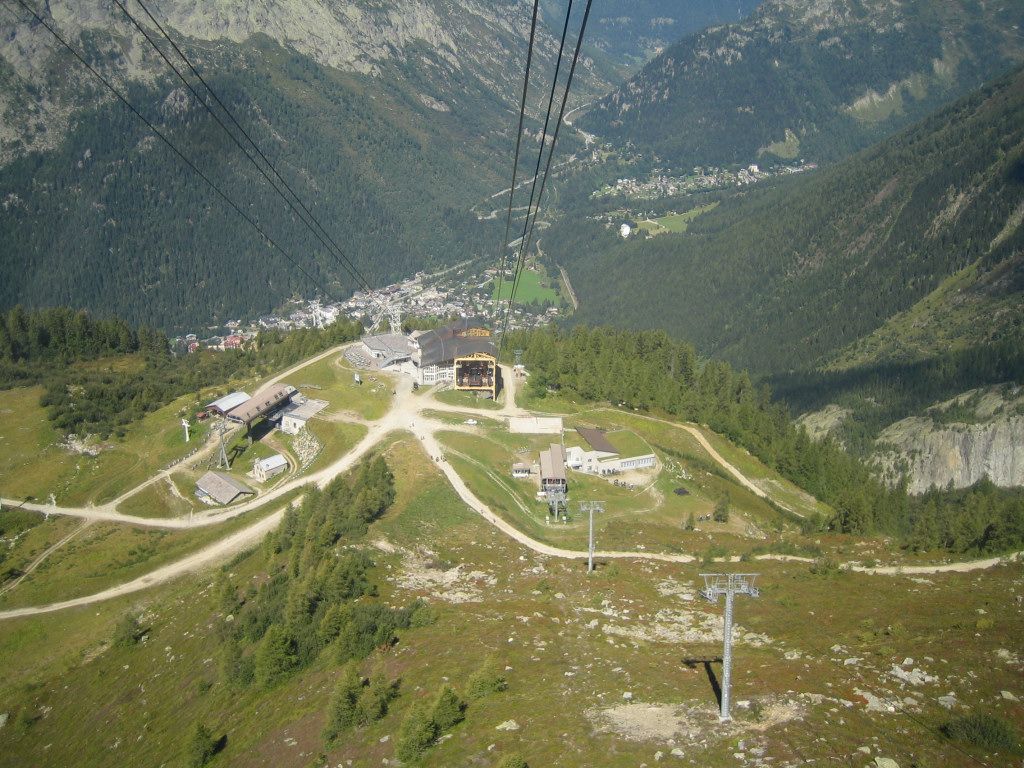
[462, 353]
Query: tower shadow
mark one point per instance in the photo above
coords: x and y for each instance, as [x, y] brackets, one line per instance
[712, 678]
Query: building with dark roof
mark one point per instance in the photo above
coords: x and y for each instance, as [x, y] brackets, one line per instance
[462, 352]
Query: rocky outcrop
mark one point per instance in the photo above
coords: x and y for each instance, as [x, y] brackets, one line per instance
[989, 442]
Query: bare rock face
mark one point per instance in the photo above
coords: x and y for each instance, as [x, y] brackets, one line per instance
[447, 43]
[988, 442]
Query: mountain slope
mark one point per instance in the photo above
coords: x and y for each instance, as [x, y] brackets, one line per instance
[391, 119]
[785, 277]
[813, 79]
[630, 32]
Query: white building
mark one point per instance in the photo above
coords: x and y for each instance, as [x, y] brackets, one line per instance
[295, 416]
[264, 469]
[625, 230]
[603, 458]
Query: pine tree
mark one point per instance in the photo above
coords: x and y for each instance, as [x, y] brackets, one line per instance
[275, 657]
[449, 709]
[201, 747]
[417, 734]
[344, 713]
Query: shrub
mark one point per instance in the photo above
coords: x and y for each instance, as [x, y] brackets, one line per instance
[825, 566]
[983, 731]
[128, 632]
[417, 734]
[449, 709]
[513, 761]
[486, 680]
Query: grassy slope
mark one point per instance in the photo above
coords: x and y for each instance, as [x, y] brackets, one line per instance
[134, 705]
[332, 380]
[32, 463]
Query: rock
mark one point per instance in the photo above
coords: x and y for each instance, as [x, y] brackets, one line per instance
[907, 661]
[1005, 694]
[508, 725]
[792, 655]
[865, 749]
[593, 624]
[658, 755]
[627, 696]
[677, 752]
[384, 739]
[948, 701]
[886, 762]
[853, 661]
[5, 715]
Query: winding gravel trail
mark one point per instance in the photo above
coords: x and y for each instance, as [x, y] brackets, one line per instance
[405, 415]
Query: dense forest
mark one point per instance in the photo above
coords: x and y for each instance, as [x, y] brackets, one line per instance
[650, 371]
[807, 80]
[130, 229]
[783, 277]
[52, 346]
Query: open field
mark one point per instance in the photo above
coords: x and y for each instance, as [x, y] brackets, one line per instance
[674, 222]
[535, 287]
[331, 379]
[603, 670]
[158, 500]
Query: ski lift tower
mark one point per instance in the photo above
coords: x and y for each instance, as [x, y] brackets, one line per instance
[222, 454]
[730, 585]
[589, 508]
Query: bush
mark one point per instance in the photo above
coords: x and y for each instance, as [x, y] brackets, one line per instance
[417, 734]
[486, 680]
[449, 709]
[128, 632]
[983, 731]
[513, 761]
[202, 746]
[825, 566]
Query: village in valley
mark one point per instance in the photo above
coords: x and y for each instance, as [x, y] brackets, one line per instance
[465, 290]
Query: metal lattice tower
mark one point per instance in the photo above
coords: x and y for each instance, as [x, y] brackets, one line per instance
[730, 585]
[222, 456]
[556, 496]
[519, 357]
[589, 508]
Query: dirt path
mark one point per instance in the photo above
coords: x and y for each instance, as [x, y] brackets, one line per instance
[39, 560]
[215, 553]
[405, 415]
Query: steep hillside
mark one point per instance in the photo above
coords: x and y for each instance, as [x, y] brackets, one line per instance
[392, 119]
[782, 278]
[808, 78]
[630, 32]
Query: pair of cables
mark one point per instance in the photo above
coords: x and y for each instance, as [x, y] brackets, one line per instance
[536, 191]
